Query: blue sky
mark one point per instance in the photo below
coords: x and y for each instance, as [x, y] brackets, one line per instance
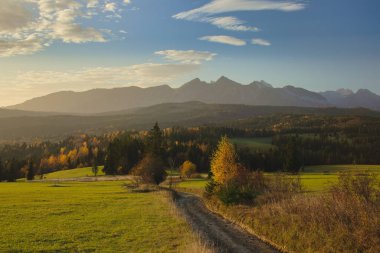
[52, 45]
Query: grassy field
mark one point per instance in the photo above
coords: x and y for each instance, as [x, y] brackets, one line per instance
[327, 169]
[74, 173]
[253, 143]
[319, 178]
[193, 184]
[314, 178]
[87, 217]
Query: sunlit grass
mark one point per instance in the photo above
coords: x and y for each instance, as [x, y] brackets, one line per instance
[74, 173]
[314, 178]
[193, 183]
[87, 217]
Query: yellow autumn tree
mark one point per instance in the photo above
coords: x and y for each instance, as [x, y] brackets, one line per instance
[224, 163]
[188, 169]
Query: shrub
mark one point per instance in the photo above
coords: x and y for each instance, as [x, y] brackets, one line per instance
[233, 193]
[188, 169]
[150, 170]
[210, 188]
[277, 188]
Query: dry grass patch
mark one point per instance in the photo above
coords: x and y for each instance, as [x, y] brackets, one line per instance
[345, 219]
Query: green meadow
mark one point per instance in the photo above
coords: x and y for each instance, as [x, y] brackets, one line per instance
[253, 143]
[87, 217]
[320, 178]
[74, 173]
[313, 178]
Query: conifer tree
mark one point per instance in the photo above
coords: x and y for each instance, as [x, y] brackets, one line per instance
[30, 173]
[2, 171]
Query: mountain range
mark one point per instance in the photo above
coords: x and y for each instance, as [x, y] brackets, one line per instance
[222, 91]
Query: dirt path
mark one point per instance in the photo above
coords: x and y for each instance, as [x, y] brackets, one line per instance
[227, 237]
[86, 179]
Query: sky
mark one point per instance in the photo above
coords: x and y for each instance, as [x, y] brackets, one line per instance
[53, 45]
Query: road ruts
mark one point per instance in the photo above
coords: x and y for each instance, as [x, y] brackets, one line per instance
[224, 235]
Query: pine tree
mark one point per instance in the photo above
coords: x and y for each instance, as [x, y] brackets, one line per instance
[155, 141]
[95, 167]
[30, 174]
[11, 170]
[111, 161]
[2, 171]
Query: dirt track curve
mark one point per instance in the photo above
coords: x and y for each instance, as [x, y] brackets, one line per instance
[224, 235]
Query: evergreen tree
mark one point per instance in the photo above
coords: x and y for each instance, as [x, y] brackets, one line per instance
[2, 171]
[292, 159]
[95, 167]
[155, 141]
[11, 169]
[30, 173]
[111, 161]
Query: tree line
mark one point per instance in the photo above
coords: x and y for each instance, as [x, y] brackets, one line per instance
[297, 142]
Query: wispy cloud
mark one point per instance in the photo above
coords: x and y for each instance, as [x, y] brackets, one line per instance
[28, 26]
[110, 7]
[230, 23]
[261, 42]
[207, 13]
[225, 6]
[229, 40]
[189, 56]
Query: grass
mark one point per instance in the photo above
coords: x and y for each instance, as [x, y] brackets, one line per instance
[320, 178]
[341, 168]
[193, 183]
[342, 220]
[87, 217]
[314, 178]
[74, 173]
[253, 143]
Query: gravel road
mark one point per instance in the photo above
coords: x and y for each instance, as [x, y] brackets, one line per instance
[225, 236]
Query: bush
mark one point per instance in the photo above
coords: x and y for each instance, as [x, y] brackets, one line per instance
[188, 169]
[150, 170]
[233, 193]
[277, 188]
[210, 188]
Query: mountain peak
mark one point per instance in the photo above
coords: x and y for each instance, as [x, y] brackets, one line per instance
[223, 79]
[345, 92]
[261, 84]
[365, 92]
[226, 81]
[194, 82]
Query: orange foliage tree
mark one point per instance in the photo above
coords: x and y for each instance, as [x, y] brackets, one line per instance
[188, 168]
[224, 163]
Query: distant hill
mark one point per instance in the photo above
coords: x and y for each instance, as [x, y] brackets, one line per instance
[8, 113]
[168, 115]
[223, 91]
